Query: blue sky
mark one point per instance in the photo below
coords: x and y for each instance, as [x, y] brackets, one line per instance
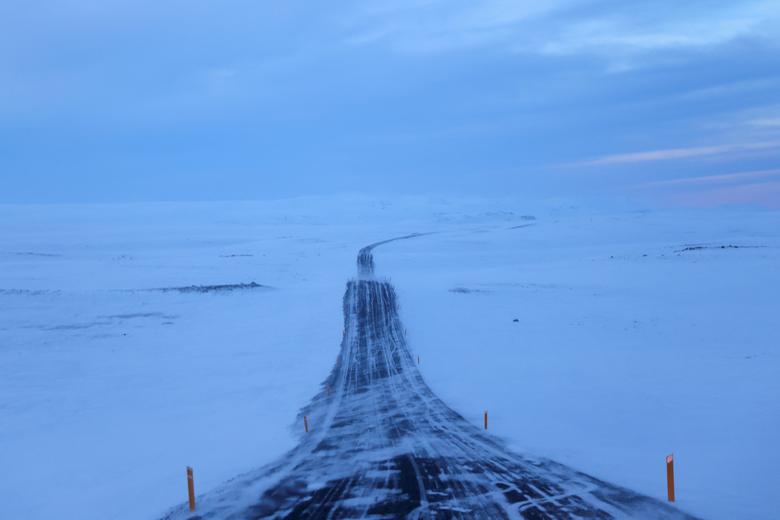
[655, 101]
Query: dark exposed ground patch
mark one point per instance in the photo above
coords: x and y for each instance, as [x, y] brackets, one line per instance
[466, 290]
[214, 288]
[35, 253]
[29, 292]
[135, 315]
[521, 226]
[696, 247]
[77, 326]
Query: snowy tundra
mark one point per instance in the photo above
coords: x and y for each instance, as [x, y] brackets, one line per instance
[138, 339]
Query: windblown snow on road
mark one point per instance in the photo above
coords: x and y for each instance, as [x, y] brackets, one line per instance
[382, 445]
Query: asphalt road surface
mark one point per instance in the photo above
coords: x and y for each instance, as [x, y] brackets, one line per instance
[382, 445]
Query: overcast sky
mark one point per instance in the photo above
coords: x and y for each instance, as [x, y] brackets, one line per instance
[667, 102]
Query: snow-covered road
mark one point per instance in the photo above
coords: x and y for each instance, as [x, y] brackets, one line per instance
[381, 444]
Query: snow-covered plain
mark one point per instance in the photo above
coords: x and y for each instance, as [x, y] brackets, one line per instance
[636, 335]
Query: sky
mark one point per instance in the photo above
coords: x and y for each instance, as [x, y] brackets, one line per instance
[658, 102]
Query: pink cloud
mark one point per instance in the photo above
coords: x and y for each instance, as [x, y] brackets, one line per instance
[714, 179]
[679, 153]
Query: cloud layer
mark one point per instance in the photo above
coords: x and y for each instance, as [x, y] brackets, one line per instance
[120, 100]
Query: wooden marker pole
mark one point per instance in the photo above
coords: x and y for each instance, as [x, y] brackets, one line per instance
[486, 419]
[191, 488]
[305, 424]
[670, 477]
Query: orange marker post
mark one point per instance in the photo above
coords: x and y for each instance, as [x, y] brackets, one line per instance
[191, 488]
[305, 424]
[670, 477]
[486, 419]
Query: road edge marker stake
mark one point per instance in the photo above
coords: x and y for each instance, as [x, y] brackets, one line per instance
[670, 477]
[486, 422]
[305, 424]
[191, 488]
